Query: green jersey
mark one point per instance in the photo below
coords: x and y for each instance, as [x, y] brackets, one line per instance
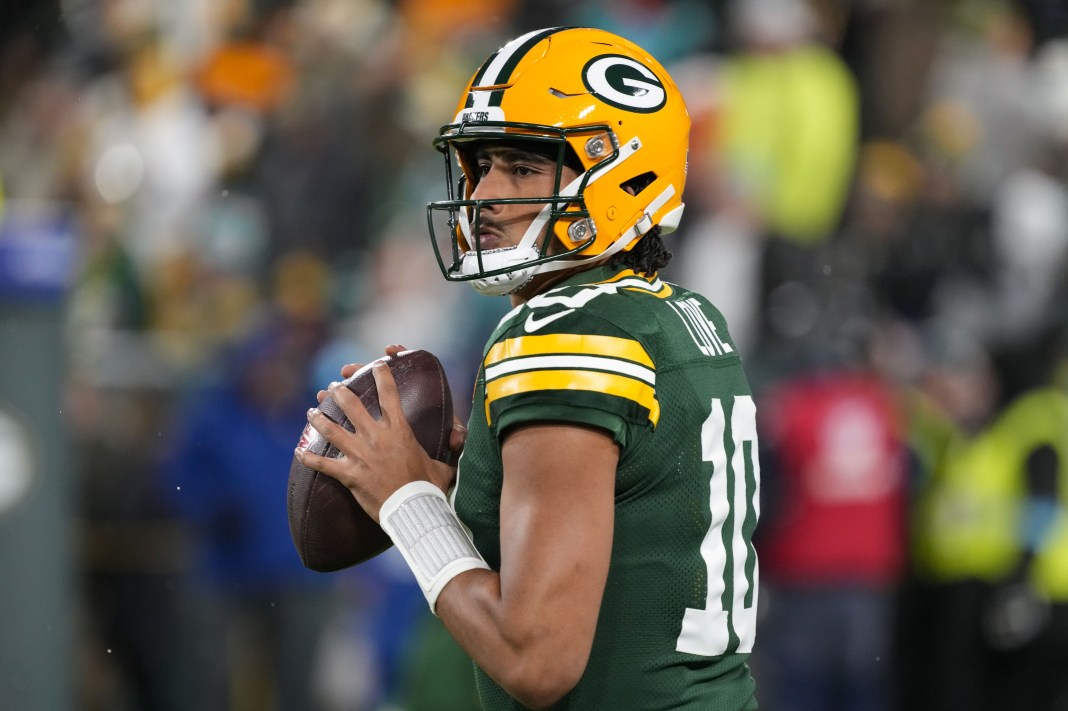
[653, 365]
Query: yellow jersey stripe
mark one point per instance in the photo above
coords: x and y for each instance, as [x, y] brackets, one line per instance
[569, 344]
[589, 380]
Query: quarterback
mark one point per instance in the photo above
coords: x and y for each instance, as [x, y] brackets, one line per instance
[593, 549]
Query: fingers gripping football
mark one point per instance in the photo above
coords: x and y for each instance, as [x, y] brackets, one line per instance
[327, 494]
[380, 455]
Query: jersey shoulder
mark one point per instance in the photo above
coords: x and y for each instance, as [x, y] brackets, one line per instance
[597, 347]
[673, 323]
[570, 356]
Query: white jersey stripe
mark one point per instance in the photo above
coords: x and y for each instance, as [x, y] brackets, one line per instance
[571, 362]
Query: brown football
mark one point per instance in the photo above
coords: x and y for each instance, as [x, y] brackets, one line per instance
[330, 529]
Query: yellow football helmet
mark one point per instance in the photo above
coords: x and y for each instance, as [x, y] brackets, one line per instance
[594, 100]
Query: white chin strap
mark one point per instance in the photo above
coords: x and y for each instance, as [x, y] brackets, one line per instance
[509, 257]
[512, 258]
[504, 283]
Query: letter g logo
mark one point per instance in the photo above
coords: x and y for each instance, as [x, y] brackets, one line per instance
[624, 83]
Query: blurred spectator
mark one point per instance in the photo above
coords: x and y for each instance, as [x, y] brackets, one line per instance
[789, 121]
[1025, 619]
[40, 143]
[916, 236]
[246, 73]
[832, 550]
[982, 86]
[149, 148]
[956, 396]
[990, 599]
[256, 617]
[775, 150]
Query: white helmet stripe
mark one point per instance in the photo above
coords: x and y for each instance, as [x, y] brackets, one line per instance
[500, 67]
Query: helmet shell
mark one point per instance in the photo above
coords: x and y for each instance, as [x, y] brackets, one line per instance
[614, 106]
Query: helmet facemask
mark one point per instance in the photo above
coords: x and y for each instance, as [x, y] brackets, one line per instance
[561, 229]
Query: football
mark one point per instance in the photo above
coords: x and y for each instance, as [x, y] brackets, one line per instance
[330, 529]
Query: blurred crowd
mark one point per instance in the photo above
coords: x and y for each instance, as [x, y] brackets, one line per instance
[877, 200]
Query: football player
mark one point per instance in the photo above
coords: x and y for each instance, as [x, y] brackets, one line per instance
[595, 550]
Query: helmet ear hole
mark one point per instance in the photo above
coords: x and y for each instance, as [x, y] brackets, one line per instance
[638, 183]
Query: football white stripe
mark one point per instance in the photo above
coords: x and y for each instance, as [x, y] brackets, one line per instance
[572, 362]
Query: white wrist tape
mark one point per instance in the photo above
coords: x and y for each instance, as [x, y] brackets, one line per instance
[429, 535]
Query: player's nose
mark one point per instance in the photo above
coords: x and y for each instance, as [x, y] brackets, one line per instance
[489, 186]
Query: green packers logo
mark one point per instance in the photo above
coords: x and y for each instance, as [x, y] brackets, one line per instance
[624, 83]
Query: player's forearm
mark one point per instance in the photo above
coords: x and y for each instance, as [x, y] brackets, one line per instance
[516, 644]
[530, 632]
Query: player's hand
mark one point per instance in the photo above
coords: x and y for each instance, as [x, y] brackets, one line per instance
[380, 456]
[459, 429]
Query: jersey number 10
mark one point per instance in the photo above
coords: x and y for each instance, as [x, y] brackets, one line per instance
[728, 621]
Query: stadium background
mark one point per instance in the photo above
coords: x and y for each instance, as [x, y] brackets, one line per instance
[208, 207]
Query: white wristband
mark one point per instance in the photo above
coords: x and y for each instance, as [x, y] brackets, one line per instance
[429, 535]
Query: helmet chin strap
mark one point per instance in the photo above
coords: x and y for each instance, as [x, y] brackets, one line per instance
[526, 250]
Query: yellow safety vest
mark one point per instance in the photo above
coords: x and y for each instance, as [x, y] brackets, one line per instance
[970, 518]
[789, 134]
[1039, 418]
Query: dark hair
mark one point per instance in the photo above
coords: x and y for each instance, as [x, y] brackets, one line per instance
[647, 257]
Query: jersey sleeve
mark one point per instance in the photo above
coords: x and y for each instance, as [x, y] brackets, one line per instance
[577, 368]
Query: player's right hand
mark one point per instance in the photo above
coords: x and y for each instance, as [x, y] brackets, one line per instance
[459, 429]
